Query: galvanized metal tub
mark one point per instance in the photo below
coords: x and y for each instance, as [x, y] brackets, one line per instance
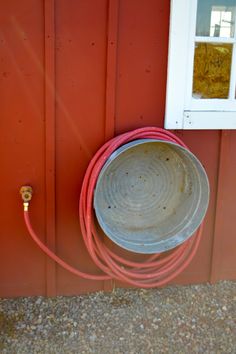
[151, 196]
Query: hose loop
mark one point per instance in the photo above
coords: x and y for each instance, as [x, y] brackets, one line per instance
[157, 270]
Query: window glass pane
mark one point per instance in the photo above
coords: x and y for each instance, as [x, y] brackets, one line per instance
[216, 18]
[211, 75]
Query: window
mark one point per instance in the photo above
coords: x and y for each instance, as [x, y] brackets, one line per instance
[201, 83]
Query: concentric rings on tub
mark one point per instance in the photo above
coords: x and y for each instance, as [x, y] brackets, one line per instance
[151, 195]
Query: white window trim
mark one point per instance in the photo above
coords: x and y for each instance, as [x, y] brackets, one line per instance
[182, 111]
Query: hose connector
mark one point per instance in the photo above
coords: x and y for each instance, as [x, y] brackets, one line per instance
[26, 195]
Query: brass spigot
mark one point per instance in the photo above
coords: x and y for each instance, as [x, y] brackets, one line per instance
[26, 195]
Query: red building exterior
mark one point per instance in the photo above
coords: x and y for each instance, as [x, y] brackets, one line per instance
[73, 74]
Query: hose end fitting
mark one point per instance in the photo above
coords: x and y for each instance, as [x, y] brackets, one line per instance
[26, 195]
[26, 206]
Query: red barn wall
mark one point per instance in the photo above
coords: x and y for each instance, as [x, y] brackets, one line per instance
[72, 75]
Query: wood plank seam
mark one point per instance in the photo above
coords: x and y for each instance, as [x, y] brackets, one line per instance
[50, 148]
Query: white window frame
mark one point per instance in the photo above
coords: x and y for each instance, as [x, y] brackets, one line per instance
[183, 111]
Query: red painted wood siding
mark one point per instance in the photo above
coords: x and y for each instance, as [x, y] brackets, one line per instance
[73, 74]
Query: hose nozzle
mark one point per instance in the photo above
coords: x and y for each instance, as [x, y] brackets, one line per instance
[26, 195]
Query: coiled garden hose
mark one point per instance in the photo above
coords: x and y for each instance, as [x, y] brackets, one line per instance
[158, 269]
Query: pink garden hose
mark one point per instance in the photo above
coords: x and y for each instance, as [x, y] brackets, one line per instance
[160, 268]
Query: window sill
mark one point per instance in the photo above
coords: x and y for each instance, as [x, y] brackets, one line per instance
[203, 120]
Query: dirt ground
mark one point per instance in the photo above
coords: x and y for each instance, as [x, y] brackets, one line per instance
[177, 319]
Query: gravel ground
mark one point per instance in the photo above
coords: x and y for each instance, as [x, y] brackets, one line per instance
[190, 319]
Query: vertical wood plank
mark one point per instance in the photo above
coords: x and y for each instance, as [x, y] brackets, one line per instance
[111, 69]
[219, 225]
[111, 76]
[49, 40]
